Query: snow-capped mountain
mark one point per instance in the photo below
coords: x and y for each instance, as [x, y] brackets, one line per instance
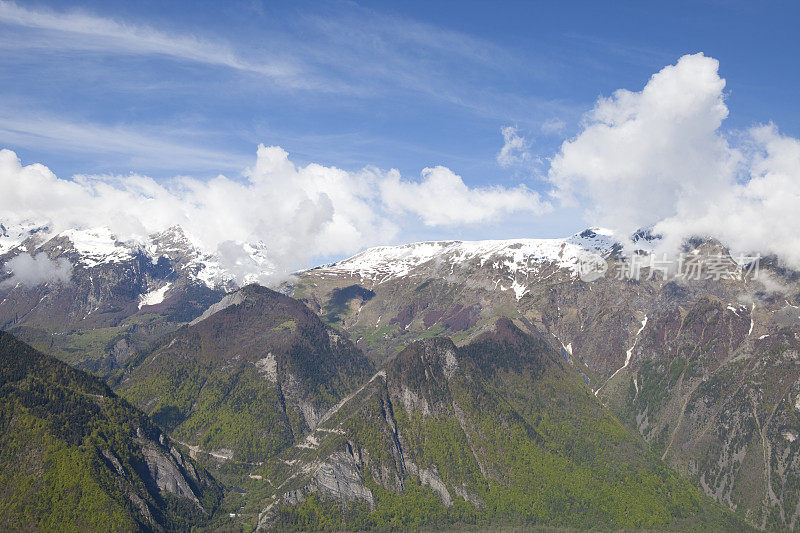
[92, 247]
[145, 286]
[12, 236]
[673, 359]
[513, 263]
[63, 289]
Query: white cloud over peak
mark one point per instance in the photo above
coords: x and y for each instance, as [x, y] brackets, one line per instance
[659, 158]
[758, 214]
[643, 155]
[296, 212]
[443, 199]
[29, 270]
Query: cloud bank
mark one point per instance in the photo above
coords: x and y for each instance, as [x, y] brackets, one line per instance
[296, 212]
[659, 158]
[35, 270]
[442, 199]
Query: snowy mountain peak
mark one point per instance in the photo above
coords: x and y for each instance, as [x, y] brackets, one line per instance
[97, 246]
[231, 265]
[511, 257]
[12, 235]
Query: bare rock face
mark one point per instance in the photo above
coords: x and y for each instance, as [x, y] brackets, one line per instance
[228, 300]
[339, 477]
[449, 421]
[165, 470]
[121, 351]
[431, 478]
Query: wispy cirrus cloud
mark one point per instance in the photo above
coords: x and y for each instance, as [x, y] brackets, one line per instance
[127, 80]
[382, 54]
[84, 31]
[347, 50]
[136, 147]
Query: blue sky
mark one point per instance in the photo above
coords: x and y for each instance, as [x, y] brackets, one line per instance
[192, 88]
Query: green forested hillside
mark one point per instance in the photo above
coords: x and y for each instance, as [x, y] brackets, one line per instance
[247, 380]
[75, 457]
[500, 432]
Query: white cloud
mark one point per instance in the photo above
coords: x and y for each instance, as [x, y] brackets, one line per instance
[35, 270]
[443, 199]
[296, 212]
[659, 158]
[758, 214]
[640, 154]
[514, 150]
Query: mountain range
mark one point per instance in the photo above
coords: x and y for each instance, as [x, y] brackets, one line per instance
[438, 384]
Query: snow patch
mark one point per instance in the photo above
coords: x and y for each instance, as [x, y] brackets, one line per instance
[629, 353]
[12, 236]
[98, 246]
[154, 297]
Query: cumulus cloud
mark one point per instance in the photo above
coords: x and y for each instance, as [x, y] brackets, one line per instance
[29, 270]
[757, 214]
[515, 148]
[641, 154]
[659, 158]
[443, 199]
[296, 212]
